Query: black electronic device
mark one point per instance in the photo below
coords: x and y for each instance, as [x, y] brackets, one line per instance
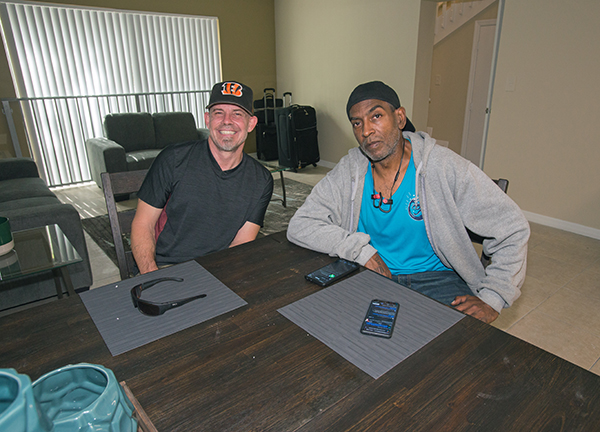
[332, 272]
[380, 318]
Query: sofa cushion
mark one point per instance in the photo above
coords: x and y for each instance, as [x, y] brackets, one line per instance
[133, 131]
[23, 188]
[173, 128]
[140, 160]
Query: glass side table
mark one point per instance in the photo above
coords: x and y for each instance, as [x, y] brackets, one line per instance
[38, 250]
[274, 167]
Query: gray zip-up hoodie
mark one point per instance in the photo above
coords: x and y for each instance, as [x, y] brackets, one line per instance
[453, 194]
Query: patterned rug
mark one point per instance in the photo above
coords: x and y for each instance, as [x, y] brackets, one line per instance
[276, 218]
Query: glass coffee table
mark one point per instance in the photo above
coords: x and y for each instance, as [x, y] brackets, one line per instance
[38, 250]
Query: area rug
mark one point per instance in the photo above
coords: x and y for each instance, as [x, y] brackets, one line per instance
[276, 218]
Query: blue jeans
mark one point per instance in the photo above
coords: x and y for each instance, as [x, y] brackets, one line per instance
[443, 286]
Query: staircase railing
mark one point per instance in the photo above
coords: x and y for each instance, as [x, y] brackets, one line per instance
[453, 14]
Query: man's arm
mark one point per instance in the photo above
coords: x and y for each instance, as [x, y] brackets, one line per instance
[475, 307]
[246, 233]
[484, 209]
[377, 264]
[326, 221]
[143, 241]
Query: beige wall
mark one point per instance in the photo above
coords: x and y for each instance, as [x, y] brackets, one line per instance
[247, 31]
[543, 136]
[452, 64]
[326, 48]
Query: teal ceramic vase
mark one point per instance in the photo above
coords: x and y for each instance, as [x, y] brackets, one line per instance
[84, 397]
[19, 411]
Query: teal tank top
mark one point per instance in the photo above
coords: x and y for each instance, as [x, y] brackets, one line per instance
[399, 236]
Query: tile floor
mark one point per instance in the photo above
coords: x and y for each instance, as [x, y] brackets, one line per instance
[558, 308]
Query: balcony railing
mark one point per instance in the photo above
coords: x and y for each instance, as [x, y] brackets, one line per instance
[56, 128]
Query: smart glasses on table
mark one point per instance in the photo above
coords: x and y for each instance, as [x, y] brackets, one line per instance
[152, 308]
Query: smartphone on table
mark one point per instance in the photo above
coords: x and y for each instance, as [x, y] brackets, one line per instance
[332, 272]
[380, 318]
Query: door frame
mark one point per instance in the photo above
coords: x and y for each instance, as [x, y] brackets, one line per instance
[491, 85]
[475, 55]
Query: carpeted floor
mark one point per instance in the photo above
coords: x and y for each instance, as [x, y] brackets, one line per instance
[276, 218]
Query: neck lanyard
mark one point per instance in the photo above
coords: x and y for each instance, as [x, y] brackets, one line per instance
[385, 204]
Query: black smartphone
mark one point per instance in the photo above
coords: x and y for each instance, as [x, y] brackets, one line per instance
[332, 272]
[380, 318]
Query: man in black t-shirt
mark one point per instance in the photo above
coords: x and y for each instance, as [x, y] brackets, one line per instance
[203, 196]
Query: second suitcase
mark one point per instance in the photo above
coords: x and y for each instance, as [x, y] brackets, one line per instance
[266, 131]
[266, 141]
[297, 141]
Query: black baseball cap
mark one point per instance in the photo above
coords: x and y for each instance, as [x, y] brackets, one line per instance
[231, 92]
[380, 91]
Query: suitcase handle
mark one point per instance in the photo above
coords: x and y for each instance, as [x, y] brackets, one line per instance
[268, 93]
[287, 94]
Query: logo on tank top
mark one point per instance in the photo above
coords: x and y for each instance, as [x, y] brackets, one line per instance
[414, 209]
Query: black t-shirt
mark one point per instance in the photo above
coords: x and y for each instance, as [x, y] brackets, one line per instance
[206, 206]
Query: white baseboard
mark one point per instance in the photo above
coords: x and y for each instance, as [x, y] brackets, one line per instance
[563, 225]
[326, 164]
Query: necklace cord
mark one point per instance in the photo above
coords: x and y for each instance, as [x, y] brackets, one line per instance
[378, 198]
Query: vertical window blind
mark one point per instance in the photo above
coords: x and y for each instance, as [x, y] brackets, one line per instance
[77, 64]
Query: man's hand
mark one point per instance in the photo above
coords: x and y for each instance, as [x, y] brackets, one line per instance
[475, 307]
[378, 265]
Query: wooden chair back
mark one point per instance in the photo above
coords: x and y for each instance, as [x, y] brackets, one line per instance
[115, 184]
[485, 260]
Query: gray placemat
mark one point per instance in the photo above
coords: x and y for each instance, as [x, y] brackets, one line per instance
[124, 328]
[335, 314]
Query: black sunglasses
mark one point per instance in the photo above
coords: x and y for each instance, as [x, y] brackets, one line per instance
[154, 309]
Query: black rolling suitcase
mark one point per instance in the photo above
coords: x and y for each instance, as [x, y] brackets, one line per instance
[266, 131]
[297, 142]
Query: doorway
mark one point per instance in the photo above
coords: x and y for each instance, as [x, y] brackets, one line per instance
[442, 86]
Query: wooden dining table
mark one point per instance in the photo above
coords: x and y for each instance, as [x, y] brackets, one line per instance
[254, 370]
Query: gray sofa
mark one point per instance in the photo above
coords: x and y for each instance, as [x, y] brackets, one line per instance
[28, 203]
[133, 140]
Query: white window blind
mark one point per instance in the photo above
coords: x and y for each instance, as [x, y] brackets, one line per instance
[82, 58]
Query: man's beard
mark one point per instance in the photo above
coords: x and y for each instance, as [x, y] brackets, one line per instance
[227, 145]
[380, 158]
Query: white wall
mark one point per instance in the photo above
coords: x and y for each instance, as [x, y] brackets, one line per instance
[326, 48]
[544, 135]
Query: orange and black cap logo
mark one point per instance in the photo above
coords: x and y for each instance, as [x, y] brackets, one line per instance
[232, 89]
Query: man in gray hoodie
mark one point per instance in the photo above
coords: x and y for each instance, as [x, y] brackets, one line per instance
[399, 205]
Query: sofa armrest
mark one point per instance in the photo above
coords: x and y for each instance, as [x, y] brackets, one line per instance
[13, 168]
[202, 133]
[104, 155]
